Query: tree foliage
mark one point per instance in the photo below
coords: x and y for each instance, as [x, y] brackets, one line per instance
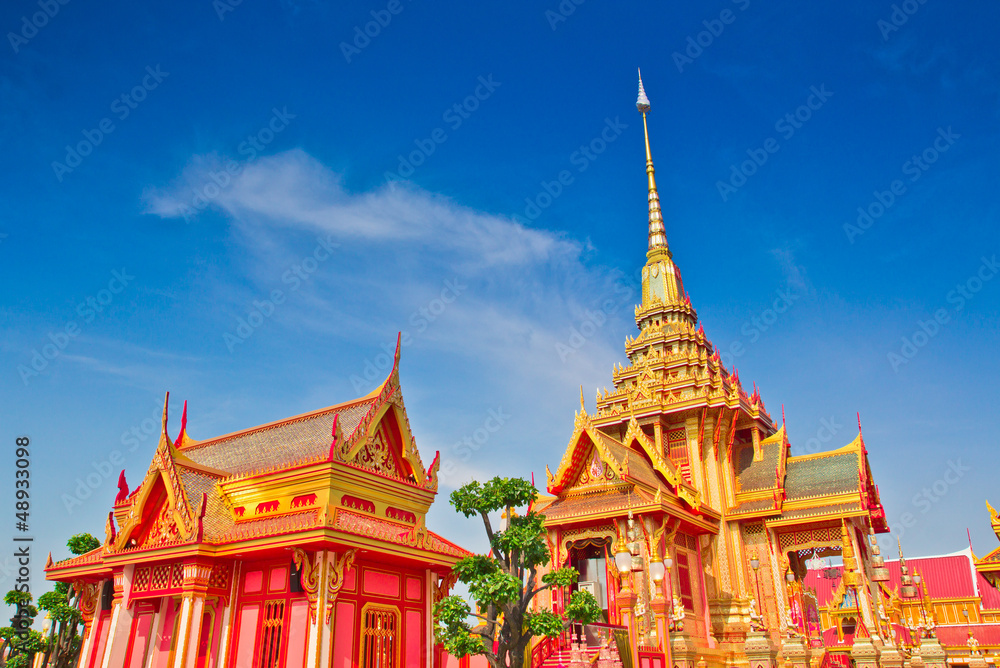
[504, 583]
[61, 645]
[82, 543]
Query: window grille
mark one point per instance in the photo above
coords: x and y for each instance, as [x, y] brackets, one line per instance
[270, 635]
[378, 638]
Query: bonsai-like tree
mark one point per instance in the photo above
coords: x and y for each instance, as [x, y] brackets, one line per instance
[62, 644]
[504, 583]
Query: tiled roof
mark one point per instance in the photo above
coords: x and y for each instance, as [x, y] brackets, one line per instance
[753, 507]
[821, 476]
[945, 577]
[92, 557]
[306, 438]
[752, 475]
[573, 506]
[833, 509]
[638, 468]
[392, 532]
[268, 526]
[988, 635]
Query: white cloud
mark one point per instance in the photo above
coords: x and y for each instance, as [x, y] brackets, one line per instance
[293, 189]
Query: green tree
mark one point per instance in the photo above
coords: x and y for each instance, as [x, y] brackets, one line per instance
[18, 642]
[61, 645]
[504, 583]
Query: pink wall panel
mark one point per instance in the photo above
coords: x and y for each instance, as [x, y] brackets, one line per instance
[381, 583]
[278, 580]
[102, 639]
[413, 634]
[139, 639]
[163, 641]
[247, 633]
[298, 628]
[350, 579]
[414, 586]
[253, 582]
[343, 636]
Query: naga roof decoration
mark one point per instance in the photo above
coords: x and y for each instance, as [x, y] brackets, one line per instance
[350, 472]
[989, 566]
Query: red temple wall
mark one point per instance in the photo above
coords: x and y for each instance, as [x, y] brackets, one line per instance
[371, 590]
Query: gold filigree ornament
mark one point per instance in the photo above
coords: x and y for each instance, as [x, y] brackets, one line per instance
[338, 566]
[308, 568]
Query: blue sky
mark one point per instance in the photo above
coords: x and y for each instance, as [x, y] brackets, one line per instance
[166, 168]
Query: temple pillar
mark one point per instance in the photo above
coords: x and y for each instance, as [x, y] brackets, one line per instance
[318, 643]
[194, 587]
[864, 653]
[932, 653]
[121, 624]
[890, 658]
[227, 616]
[661, 610]
[977, 660]
[626, 604]
[683, 651]
[794, 653]
[759, 651]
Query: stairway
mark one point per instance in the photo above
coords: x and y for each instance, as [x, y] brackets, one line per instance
[561, 659]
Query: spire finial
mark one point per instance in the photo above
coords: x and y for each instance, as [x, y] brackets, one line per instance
[657, 233]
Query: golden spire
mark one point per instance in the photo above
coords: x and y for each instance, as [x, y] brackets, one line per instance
[657, 233]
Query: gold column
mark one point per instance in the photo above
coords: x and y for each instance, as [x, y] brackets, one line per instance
[626, 604]
[194, 587]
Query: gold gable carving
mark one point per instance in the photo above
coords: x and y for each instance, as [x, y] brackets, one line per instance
[174, 521]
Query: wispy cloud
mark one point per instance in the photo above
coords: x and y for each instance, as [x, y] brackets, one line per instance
[294, 189]
[526, 288]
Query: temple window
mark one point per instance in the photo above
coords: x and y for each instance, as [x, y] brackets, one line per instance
[271, 633]
[684, 580]
[379, 637]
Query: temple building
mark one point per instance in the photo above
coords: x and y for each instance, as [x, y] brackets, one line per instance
[680, 503]
[298, 543]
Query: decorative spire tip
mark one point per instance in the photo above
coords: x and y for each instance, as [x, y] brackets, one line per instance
[642, 104]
